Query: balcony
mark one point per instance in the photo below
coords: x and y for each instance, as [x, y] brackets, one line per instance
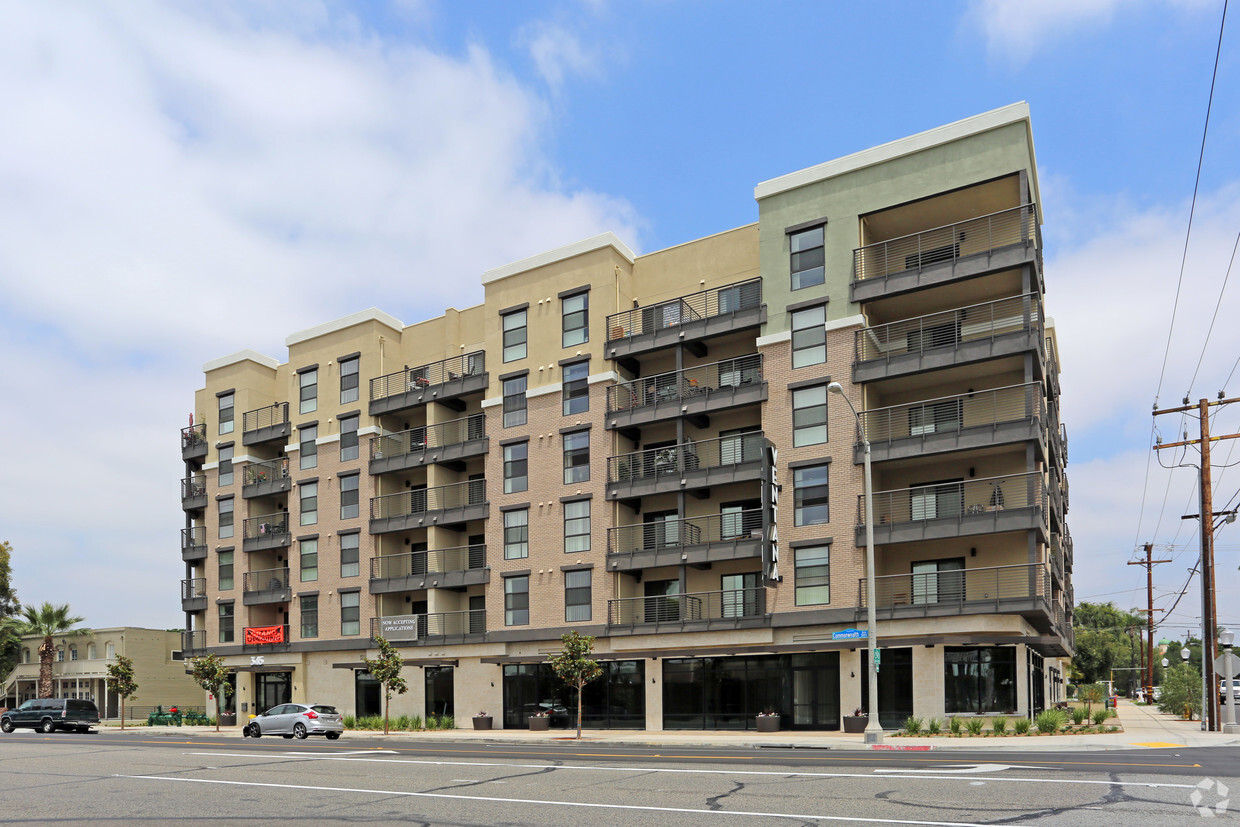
[964, 422]
[447, 443]
[692, 392]
[194, 595]
[444, 505]
[686, 320]
[194, 492]
[1067, 550]
[992, 330]
[731, 609]
[266, 586]
[273, 636]
[692, 466]
[444, 568]
[266, 478]
[193, 642]
[269, 424]
[713, 538]
[1055, 553]
[194, 442]
[444, 381]
[436, 627]
[194, 544]
[267, 531]
[1000, 241]
[957, 509]
[1022, 589]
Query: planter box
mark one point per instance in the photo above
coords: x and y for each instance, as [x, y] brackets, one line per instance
[541, 724]
[482, 722]
[768, 723]
[856, 723]
[228, 720]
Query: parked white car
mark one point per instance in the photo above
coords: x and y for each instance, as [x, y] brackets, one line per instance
[296, 721]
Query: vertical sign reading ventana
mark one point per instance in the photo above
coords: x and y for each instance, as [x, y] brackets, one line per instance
[770, 514]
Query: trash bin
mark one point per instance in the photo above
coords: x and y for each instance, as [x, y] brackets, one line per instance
[1112, 701]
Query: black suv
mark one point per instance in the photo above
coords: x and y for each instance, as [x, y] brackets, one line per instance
[51, 714]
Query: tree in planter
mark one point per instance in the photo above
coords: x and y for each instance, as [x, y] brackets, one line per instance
[211, 673]
[575, 667]
[386, 670]
[49, 621]
[120, 678]
[1091, 694]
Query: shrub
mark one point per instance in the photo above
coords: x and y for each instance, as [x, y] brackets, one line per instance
[999, 726]
[1022, 726]
[974, 725]
[402, 722]
[934, 726]
[1101, 715]
[349, 722]
[912, 725]
[370, 722]
[1181, 689]
[1049, 720]
[955, 725]
[1079, 714]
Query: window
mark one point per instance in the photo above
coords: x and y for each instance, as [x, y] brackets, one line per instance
[576, 526]
[810, 495]
[935, 500]
[309, 448]
[73, 653]
[516, 601]
[109, 650]
[576, 595]
[348, 380]
[309, 560]
[348, 496]
[935, 417]
[227, 414]
[740, 595]
[938, 581]
[514, 336]
[225, 467]
[226, 623]
[309, 382]
[226, 518]
[348, 438]
[91, 654]
[813, 575]
[576, 313]
[514, 401]
[740, 445]
[981, 679]
[225, 561]
[809, 336]
[25, 656]
[807, 258]
[516, 467]
[576, 390]
[309, 492]
[809, 416]
[350, 613]
[310, 615]
[516, 534]
[740, 296]
[350, 555]
[577, 457]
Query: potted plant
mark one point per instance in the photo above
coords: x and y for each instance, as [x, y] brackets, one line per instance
[768, 721]
[228, 718]
[482, 720]
[540, 721]
[856, 722]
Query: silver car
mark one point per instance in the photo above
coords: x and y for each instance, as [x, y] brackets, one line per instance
[297, 721]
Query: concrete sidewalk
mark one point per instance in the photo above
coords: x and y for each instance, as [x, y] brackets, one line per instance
[1143, 727]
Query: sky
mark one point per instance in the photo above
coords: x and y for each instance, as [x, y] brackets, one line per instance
[180, 181]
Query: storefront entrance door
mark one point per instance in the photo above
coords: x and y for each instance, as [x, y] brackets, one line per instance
[273, 689]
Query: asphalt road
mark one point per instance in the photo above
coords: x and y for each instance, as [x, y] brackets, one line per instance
[69, 778]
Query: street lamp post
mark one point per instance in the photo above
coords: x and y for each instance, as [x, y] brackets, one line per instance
[1229, 684]
[873, 729]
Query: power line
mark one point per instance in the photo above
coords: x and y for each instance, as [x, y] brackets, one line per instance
[1217, 305]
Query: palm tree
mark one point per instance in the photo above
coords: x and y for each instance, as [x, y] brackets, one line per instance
[49, 621]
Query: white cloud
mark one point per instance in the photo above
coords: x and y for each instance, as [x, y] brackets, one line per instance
[557, 52]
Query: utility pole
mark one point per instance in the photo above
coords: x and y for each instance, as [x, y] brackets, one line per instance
[1149, 564]
[1209, 610]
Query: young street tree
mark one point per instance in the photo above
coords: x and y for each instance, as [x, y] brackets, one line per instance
[575, 667]
[386, 670]
[211, 673]
[120, 678]
[10, 639]
[49, 621]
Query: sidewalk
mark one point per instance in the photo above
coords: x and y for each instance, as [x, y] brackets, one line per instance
[1143, 727]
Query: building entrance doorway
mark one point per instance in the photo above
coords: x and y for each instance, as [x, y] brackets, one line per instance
[272, 689]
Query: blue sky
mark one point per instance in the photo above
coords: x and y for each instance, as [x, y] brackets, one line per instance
[310, 160]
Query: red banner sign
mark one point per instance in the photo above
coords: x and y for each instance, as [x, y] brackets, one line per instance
[264, 634]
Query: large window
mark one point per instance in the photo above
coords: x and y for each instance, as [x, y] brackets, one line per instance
[226, 466]
[813, 575]
[576, 526]
[576, 392]
[809, 416]
[514, 335]
[810, 495]
[935, 417]
[516, 534]
[348, 380]
[576, 313]
[576, 596]
[227, 413]
[226, 623]
[309, 383]
[309, 560]
[349, 496]
[516, 467]
[310, 615]
[309, 448]
[516, 601]
[938, 581]
[350, 613]
[514, 401]
[807, 258]
[979, 679]
[809, 336]
[225, 507]
[350, 555]
[225, 561]
[309, 492]
[577, 457]
[348, 438]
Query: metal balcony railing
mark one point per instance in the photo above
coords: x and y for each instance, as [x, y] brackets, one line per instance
[266, 471]
[1055, 554]
[1063, 441]
[950, 328]
[951, 500]
[691, 531]
[1016, 225]
[683, 385]
[959, 587]
[436, 624]
[190, 589]
[719, 301]
[193, 436]
[421, 500]
[426, 376]
[265, 525]
[195, 486]
[429, 436]
[195, 537]
[259, 418]
[266, 580]
[731, 604]
[690, 456]
[193, 641]
[947, 414]
[414, 563]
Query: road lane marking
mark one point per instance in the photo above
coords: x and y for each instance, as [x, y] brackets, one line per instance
[969, 768]
[1157, 745]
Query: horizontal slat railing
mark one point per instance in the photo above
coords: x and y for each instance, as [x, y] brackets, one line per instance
[418, 501]
[414, 563]
[729, 604]
[430, 436]
[470, 621]
[1016, 225]
[266, 580]
[712, 528]
[259, 418]
[690, 456]
[194, 641]
[949, 328]
[689, 383]
[952, 500]
[426, 376]
[194, 435]
[196, 587]
[195, 486]
[960, 587]
[954, 413]
[266, 471]
[265, 525]
[705, 304]
[193, 537]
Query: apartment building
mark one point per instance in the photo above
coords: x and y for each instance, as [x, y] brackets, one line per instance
[643, 448]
